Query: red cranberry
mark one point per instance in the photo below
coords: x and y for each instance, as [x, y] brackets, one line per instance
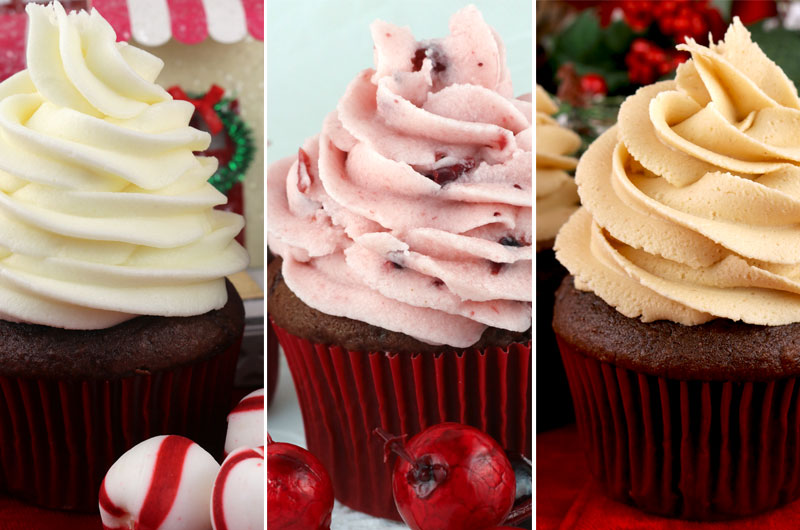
[594, 84]
[299, 490]
[451, 476]
[443, 175]
[431, 53]
[509, 241]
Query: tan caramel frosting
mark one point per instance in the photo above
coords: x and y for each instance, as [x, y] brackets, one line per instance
[556, 192]
[692, 202]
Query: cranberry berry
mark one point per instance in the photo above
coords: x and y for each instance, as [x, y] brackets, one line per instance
[451, 476]
[299, 490]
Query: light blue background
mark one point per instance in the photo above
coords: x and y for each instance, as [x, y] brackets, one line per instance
[316, 47]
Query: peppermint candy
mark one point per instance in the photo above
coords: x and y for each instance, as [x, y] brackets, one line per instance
[163, 483]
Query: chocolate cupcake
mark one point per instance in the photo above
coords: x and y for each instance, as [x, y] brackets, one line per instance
[556, 200]
[403, 294]
[116, 321]
[679, 326]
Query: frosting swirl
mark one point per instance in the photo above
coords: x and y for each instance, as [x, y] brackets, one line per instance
[411, 211]
[105, 212]
[556, 191]
[692, 202]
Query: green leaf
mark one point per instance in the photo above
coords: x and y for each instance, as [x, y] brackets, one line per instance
[580, 39]
[781, 46]
[618, 37]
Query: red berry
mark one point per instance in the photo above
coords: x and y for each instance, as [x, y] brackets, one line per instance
[299, 490]
[641, 46]
[594, 84]
[451, 476]
[443, 175]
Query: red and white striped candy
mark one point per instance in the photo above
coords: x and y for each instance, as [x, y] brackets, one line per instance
[163, 483]
[246, 423]
[237, 502]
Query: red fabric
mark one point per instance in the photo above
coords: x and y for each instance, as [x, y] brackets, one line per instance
[567, 499]
[15, 515]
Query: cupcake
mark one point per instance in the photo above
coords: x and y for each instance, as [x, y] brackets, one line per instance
[556, 200]
[402, 295]
[680, 323]
[116, 321]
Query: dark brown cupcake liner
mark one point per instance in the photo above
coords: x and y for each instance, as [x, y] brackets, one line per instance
[691, 449]
[344, 395]
[58, 438]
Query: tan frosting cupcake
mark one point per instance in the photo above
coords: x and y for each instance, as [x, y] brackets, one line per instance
[692, 202]
[556, 192]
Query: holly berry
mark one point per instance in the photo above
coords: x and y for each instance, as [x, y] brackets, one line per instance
[594, 84]
[647, 62]
[299, 490]
[451, 476]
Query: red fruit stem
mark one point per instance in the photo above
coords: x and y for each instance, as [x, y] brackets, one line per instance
[394, 444]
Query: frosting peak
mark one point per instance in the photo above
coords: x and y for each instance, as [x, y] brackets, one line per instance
[105, 212]
[411, 210]
[692, 202]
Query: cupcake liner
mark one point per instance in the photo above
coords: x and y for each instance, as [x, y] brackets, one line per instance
[344, 395]
[690, 449]
[58, 438]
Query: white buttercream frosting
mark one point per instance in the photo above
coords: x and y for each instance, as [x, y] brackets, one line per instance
[105, 211]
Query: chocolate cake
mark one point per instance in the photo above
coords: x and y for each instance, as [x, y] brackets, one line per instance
[719, 350]
[290, 313]
[138, 346]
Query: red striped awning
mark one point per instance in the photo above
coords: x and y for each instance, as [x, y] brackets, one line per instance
[148, 22]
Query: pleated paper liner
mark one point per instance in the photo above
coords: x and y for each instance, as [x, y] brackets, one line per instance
[690, 449]
[344, 395]
[58, 438]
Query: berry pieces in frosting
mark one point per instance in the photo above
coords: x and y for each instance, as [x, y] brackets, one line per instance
[426, 162]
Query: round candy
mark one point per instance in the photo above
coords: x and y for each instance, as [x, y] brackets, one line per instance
[246, 423]
[237, 502]
[163, 483]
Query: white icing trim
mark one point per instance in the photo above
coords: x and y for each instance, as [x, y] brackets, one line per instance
[226, 20]
[150, 21]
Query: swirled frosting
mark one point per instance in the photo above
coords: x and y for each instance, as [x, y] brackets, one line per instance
[556, 191]
[105, 212]
[411, 211]
[692, 202]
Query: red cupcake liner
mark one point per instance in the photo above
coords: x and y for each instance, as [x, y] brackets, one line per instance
[690, 449]
[58, 438]
[344, 395]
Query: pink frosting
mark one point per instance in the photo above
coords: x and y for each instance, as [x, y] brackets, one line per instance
[411, 211]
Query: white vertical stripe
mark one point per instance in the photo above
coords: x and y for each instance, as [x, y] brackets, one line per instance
[226, 20]
[150, 23]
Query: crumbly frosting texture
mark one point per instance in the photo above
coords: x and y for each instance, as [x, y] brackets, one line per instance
[692, 202]
[411, 210]
[556, 191]
[105, 212]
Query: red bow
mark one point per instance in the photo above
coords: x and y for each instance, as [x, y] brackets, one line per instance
[204, 105]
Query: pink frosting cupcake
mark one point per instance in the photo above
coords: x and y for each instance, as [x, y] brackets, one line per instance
[403, 294]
